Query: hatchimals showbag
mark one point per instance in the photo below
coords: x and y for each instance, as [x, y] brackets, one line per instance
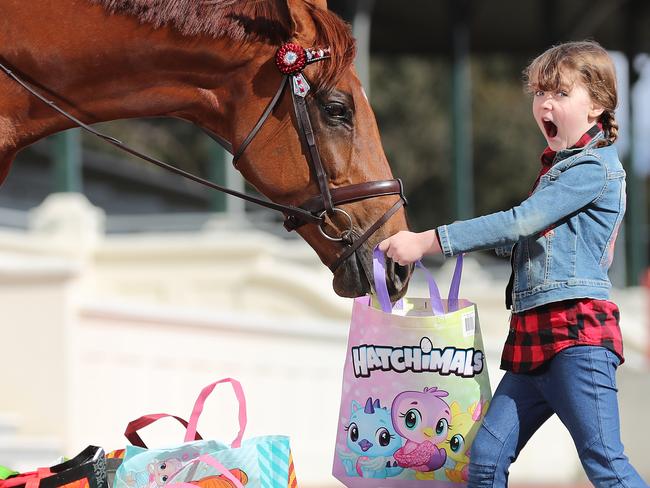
[415, 389]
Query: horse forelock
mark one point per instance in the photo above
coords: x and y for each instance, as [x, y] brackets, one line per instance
[333, 32]
[246, 21]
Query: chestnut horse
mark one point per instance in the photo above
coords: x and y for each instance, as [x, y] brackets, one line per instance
[212, 62]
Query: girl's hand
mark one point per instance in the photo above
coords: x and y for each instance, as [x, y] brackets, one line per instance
[407, 247]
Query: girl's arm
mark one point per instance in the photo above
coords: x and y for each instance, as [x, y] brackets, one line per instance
[571, 190]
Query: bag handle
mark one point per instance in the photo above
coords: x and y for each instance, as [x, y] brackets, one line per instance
[89, 464]
[131, 432]
[221, 469]
[200, 401]
[454, 287]
[379, 275]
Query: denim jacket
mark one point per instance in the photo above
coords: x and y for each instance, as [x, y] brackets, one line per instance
[562, 236]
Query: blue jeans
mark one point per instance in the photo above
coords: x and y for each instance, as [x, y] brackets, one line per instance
[579, 385]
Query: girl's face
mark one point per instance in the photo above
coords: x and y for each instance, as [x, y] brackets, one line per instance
[565, 115]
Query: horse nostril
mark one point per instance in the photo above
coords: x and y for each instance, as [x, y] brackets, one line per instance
[398, 276]
[403, 272]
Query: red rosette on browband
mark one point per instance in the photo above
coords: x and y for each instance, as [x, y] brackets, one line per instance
[291, 58]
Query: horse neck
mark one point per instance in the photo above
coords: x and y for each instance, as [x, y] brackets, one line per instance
[113, 68]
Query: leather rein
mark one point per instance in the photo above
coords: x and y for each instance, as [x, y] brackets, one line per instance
[290, 59]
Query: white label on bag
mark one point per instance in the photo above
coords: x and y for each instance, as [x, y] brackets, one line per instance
[468, 324]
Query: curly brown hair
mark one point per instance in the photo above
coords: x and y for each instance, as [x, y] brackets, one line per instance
[558, 66]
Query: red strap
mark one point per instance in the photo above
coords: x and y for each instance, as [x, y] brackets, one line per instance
[131, 432]
[31, 479]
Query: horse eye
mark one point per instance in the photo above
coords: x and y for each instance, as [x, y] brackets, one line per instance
[336, 110]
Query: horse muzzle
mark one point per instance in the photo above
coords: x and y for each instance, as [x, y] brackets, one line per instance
[354, 277]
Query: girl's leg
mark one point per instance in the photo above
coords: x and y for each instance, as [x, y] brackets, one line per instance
[582, 391]
[517, 410]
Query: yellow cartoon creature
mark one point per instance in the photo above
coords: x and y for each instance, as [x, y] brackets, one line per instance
[462, 431]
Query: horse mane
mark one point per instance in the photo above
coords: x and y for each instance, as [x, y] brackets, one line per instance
[245, 21]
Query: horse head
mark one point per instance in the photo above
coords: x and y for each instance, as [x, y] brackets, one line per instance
[278, 161]
[213, 62]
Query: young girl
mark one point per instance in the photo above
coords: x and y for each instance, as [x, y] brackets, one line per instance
[562, 240]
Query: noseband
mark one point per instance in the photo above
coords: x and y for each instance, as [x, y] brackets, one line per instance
[290, 59]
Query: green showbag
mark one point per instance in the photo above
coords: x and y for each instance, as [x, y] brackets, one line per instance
[6, 472]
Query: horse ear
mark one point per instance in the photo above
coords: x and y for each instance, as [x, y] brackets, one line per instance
[302, 23]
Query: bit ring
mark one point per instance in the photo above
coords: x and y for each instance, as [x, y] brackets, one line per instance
[344, 234]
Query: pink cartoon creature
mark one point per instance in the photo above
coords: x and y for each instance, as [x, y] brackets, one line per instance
[422, 418]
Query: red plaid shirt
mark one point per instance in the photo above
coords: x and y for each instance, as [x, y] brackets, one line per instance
[538, 334]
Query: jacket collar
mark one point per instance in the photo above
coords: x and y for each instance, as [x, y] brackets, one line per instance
[588, 140]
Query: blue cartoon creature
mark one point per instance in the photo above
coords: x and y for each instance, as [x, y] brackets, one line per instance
[371, 442]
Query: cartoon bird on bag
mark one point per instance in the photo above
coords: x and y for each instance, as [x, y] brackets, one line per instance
[422, 418]
[462, 431]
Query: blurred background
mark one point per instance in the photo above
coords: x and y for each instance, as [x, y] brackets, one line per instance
[125, 289]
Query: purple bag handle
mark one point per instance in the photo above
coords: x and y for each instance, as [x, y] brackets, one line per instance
[379, 275]
[454, 287]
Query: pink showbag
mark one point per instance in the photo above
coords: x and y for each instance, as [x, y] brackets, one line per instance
[415, 388]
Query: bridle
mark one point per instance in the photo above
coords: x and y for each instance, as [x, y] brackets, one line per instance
[290, 59]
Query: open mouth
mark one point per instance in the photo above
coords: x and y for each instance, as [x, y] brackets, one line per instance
[550, 128]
